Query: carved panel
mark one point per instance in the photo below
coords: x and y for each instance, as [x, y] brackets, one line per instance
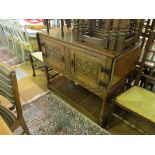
[55, 53]
[87, 67]
[86, 70]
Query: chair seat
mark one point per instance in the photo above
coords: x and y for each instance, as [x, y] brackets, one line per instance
[38, 55]
[140, 101]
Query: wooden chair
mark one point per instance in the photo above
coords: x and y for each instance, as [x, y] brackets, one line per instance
[9, 90]
[26, 45]
[12, 35]
[136, 99]
[4, 24]
[3, 39]
[147, 24]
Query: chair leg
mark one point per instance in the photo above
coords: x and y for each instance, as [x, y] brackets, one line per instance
[32, 65]
[24, 126]
[46, 73]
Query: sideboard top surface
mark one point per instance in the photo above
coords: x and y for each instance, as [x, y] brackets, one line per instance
[68, 38]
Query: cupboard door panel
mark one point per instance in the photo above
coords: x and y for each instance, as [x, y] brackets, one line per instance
[54, 55]
[86, 70]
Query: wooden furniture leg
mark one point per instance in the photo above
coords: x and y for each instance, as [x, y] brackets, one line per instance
[24, 126]
[104, 115]
[47, 25]
[46, 73]
[62, 27]
[68, 23]
[32, 65]
[20, 122]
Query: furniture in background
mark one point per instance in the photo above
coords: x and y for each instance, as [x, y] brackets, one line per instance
[3, 39]
[28, 45]
[91, 66]
[149, 65]
[9, 89]
[57, 23]
[5, 26]
[37, 56]
[54, 23]
[20, 38]
[138, 100]
[68, 23]
[32, 26]
[147, 24]
[112, 34]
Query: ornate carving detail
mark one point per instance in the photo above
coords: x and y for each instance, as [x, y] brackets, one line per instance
[87, 67]
[55, 53]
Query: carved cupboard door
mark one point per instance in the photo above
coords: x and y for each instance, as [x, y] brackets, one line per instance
[86, 69]
[53, 55]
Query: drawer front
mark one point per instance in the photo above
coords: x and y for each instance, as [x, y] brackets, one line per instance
[53, 54]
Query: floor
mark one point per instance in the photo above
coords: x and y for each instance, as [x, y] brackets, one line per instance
[28, 85]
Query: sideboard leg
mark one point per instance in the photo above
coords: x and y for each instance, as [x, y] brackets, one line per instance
[104, 115]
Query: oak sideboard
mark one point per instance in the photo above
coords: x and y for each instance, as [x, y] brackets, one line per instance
[92, 67]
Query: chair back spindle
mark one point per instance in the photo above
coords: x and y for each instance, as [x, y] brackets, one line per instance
[148, 49]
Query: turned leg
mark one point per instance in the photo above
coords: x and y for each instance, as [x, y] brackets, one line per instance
[32, 65]
[105, 115]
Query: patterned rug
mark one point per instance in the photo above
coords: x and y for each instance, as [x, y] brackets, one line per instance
[49, 115]
[8, 58]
